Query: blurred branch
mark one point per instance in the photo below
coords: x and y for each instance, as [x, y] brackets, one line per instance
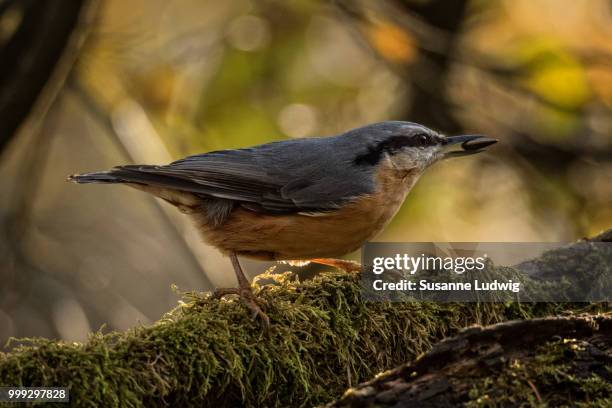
[37, 57]
[435, 25]
[30, 172]
[431, 104]
[175, 226]
[17, 267]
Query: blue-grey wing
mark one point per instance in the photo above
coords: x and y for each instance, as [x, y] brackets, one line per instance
[304, 175]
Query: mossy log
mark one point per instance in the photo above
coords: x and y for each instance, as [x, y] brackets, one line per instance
[556, 361]
[323, 338]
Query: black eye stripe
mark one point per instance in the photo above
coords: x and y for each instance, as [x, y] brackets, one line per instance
[396, 142]
[391, 145]
[418, 140]
[422, 139]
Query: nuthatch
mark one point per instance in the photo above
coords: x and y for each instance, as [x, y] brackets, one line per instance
[300, 199]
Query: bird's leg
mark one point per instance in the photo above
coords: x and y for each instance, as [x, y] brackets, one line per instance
[343, 264]
[244, 291]
[243, 282]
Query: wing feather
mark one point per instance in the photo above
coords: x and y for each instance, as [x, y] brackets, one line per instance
[265, 178]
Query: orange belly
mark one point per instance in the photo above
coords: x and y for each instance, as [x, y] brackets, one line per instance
[297, 236]
[294, 236]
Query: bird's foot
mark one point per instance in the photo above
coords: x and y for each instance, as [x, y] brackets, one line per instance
[248, 299]
[221, 292]
[342, 264]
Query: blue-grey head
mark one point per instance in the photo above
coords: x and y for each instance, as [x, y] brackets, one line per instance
[410, 146]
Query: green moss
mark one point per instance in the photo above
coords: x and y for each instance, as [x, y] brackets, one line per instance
[322, 339]
[561, 373]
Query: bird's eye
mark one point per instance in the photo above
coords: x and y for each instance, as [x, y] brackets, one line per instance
[422, 140]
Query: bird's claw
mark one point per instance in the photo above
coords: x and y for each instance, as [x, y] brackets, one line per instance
[220, 292]
[257, 313]
[248, 299]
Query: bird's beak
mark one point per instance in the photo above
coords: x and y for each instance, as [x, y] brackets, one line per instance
[457, 146]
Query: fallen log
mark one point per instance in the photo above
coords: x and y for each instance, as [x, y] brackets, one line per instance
[323, 338]
[555, 361]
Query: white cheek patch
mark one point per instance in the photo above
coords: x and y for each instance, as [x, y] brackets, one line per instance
[424, 157]
[432, 155]
[415, 158]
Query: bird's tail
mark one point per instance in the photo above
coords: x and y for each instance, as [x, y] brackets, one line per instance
[140, 174]
[97, 177]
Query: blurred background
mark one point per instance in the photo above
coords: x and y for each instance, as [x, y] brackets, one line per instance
[88, 84]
